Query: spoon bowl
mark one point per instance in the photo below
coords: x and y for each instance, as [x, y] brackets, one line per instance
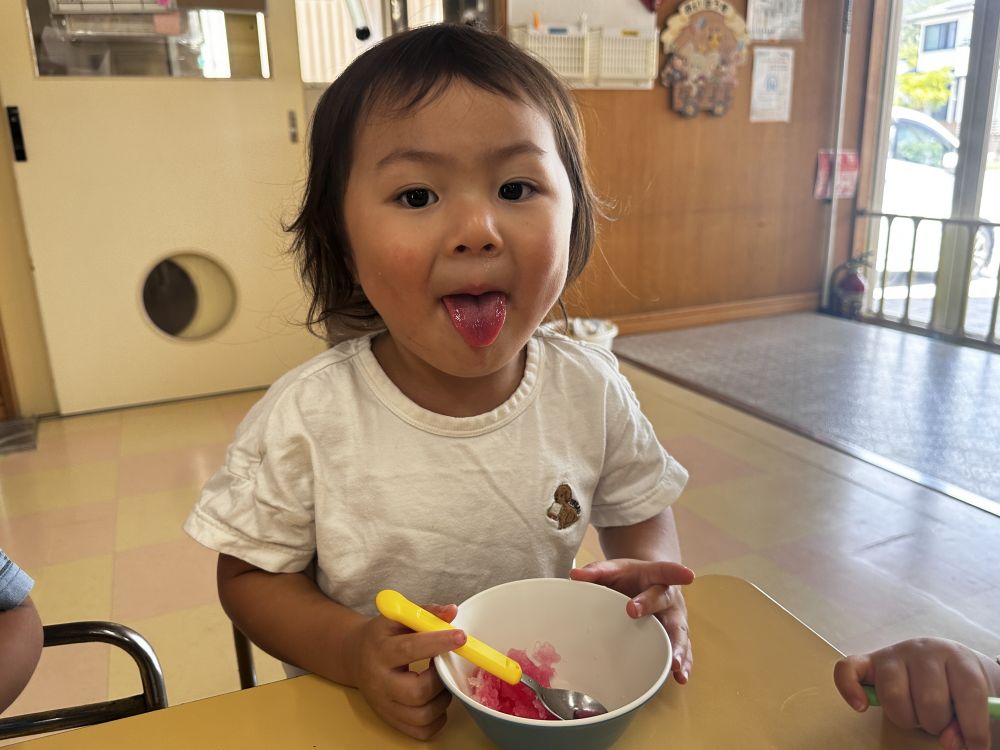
[565, 704]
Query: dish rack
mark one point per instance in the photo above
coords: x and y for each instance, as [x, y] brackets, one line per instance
[595, 58]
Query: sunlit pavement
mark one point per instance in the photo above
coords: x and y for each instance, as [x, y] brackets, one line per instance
[979, 313]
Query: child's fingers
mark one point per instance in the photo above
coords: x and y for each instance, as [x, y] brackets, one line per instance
[931, 699]
[416, 703]
[683, 659]
[849, 674]
[415, 688]
[602, 571]
[446, 612]
[426, 712]
[892, 686]
[969, 693]
[417, 731]
[675, 623]
[951, 737]
[408, 647]
[650, 601]
[633, 576]
[664, 573]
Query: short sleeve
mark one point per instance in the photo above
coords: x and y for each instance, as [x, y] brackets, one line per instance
[639, 478]
[259, 506]
[15, 584]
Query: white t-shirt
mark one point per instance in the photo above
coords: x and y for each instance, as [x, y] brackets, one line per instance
[335, 463]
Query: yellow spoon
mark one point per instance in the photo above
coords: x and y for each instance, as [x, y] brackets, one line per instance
[563, 704]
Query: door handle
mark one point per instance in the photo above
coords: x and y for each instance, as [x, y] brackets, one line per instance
[16, 135]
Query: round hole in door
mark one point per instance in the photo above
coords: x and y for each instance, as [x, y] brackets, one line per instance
[189, 296]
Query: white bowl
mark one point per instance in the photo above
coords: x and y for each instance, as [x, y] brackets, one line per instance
[619, 661]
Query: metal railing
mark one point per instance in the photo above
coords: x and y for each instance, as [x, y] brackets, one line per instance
[962, 309]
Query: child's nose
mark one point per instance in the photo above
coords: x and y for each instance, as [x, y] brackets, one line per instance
[477, 232]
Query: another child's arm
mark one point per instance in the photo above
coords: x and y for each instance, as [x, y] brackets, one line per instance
[288, 616]
[20, 648]
[938, 685]
[640, 565]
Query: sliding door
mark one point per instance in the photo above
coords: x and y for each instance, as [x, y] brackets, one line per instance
[933, 232]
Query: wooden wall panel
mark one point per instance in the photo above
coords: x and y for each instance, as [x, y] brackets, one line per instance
[715, 211]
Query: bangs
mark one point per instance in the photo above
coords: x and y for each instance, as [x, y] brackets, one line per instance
[426, 65]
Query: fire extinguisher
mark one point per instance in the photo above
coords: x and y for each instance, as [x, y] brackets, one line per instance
[847, 288]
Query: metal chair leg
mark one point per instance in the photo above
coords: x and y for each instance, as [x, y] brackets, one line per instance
[244, 659]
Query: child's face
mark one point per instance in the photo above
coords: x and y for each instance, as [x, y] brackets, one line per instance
[458, 218]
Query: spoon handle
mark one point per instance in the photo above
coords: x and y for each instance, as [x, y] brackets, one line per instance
[992, 704]
[396, 607]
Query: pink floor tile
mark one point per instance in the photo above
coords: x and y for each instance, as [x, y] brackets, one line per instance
[707, 464]
[61, 535]
[703, 543]
[70, 675]
[58, 449]
[168, 470]
[155, 580]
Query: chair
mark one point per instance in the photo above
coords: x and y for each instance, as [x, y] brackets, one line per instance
[244, 659]
[153, 696]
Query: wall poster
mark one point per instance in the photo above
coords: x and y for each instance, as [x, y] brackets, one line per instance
[771, 20]
[771, 91]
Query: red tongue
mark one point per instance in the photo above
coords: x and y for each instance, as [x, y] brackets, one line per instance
[478, 318]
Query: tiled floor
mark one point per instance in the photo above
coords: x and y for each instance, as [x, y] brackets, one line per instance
[860, 555]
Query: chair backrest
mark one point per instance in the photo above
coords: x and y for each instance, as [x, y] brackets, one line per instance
[152, 697]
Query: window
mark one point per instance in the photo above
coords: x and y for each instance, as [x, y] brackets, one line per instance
[917, 144]
[940, 36]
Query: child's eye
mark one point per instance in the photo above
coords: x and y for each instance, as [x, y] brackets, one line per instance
[515, 191]
[417, 198]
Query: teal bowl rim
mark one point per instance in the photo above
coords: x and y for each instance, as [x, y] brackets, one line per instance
[617, 713]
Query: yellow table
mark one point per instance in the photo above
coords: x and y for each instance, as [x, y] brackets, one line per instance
[761, 679]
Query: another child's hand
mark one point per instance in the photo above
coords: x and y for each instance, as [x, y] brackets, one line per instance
[653, 588]
[938, 685]
[412, 702]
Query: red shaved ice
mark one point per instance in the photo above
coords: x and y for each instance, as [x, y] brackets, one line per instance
[518, 700]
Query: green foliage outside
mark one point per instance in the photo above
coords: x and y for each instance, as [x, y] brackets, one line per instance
[926, 92]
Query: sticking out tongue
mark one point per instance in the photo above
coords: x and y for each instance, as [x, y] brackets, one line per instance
[478, 318]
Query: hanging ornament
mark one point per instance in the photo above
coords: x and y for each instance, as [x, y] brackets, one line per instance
[704, 42]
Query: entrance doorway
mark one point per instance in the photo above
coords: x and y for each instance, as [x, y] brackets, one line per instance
[933, 233]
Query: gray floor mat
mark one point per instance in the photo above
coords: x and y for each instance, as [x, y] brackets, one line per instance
[926, 409]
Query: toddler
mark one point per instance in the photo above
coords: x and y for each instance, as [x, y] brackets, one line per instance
[447, 444]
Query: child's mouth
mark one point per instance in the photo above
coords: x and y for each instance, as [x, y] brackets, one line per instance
[478, 318]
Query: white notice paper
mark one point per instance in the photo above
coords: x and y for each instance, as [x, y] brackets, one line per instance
[774, 19]
[771, 93]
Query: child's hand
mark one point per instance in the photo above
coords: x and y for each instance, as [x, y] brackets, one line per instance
[938, 685]
[412, 702]
[653, 587]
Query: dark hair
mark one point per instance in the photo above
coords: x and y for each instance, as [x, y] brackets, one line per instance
[396, 77]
